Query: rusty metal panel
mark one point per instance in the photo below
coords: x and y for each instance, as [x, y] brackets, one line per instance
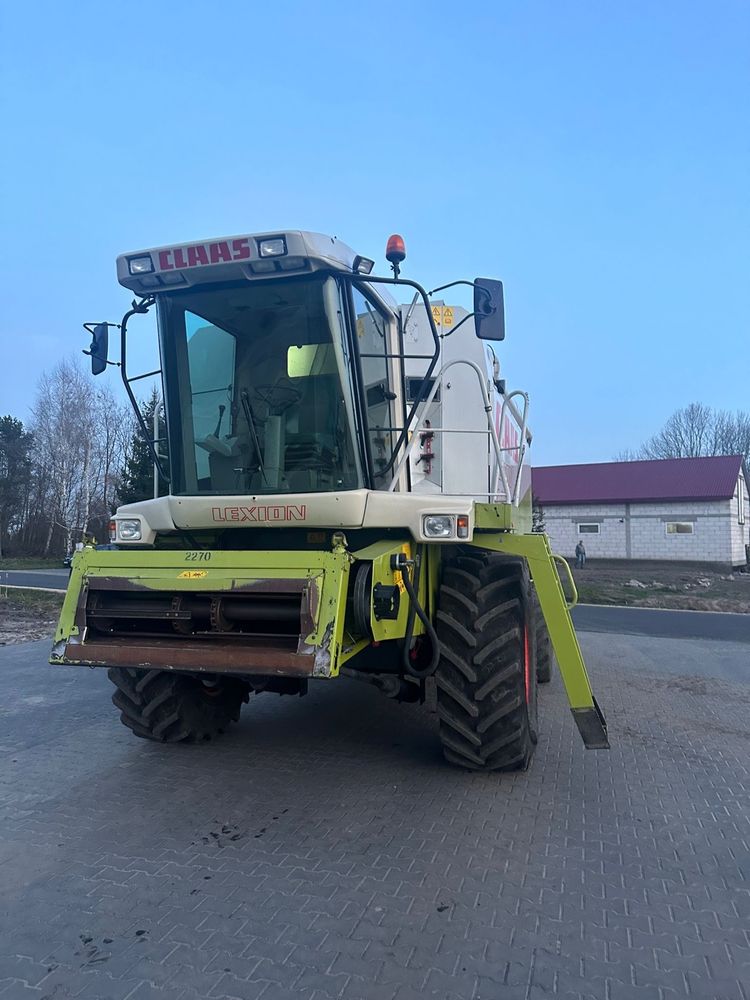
[216, 656]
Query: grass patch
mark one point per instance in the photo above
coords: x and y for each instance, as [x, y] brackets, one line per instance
[31, 601]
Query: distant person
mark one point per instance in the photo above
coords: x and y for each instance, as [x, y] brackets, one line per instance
[580, 555]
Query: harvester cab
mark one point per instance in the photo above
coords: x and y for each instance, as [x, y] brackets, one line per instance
[347, 495]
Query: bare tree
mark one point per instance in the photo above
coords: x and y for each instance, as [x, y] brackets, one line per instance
[80, 436]
[731, 434]
[627, 455]
[697, 430]
[686, 434]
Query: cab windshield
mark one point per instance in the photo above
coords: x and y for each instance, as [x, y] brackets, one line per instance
[258, 383]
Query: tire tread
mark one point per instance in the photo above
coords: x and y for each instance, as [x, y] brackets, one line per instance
[485, 722]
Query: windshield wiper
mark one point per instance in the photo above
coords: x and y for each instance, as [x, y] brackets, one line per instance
[374, 318]
[248, 411]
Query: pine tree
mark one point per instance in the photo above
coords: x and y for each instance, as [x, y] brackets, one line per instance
[537, 516]
[137, 482]
[15, 473]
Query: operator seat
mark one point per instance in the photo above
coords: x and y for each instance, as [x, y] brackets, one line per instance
[311, 432]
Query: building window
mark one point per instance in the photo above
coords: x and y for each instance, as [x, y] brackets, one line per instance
[680, 527]
[589, 528]
[741, 500]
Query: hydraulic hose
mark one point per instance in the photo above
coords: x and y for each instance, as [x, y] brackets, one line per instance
[415, 608]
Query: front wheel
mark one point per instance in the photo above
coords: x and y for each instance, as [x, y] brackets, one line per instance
[486, 678]
[172, 708]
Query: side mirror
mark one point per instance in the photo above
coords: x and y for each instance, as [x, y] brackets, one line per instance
[99, 348]
[489, 309]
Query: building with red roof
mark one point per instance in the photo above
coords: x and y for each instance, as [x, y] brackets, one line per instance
[688, 509]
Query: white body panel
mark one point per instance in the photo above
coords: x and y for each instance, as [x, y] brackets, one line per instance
[351, 509]
[464, 460]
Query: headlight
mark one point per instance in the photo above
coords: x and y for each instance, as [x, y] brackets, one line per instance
[275, 247]
[140, 265]
[439, 525]
[129, 531]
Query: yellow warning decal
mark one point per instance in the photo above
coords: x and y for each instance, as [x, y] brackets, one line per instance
[437, 315]
[398, 576]
[192, 574]
[447, 316]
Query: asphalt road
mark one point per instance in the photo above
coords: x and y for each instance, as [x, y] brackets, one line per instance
[662, 624]
[48, 579]
[322, 850]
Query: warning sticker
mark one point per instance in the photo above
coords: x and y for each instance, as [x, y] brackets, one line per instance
[398, 576]
[192, 574]
[437, 315]
[447, 316]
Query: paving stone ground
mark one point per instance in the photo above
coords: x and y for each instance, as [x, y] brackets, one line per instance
[323, 850]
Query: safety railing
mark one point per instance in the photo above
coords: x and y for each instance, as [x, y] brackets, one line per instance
[511, 493]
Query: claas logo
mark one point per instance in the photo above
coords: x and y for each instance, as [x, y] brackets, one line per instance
[202, 254]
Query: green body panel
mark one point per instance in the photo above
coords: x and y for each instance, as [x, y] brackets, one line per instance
[223, 572]
[380, 554]
[219, 572]
[504, 516]
[493, 517]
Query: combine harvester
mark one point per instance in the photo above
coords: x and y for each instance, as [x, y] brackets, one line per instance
[347, 496]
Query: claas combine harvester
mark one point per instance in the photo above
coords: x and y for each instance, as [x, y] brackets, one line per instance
[347, 495]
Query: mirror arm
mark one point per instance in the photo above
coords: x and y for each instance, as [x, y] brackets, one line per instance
[460, 323]
[90, 354]
[452, 284]
[90, 327]
[138, 308]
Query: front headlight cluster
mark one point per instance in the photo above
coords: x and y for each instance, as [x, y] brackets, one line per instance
[128, 529]
[444, 526]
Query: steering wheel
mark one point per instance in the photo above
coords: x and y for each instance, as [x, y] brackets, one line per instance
[278, 397]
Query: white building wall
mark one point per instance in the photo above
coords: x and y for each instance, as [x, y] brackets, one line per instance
[740, 532]
[710, 541]
[562, 527]
[714, 538]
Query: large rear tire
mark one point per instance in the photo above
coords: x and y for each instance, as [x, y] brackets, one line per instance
[486, 678]
[171, 708]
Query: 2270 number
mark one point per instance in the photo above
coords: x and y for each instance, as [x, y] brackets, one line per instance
[197, 556]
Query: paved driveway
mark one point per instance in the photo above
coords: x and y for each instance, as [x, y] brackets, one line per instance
[323, 850]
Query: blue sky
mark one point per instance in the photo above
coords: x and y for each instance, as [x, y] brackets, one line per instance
[595, 156]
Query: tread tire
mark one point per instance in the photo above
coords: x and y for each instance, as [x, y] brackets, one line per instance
[171, 708]
[544, 654]
[487, 647]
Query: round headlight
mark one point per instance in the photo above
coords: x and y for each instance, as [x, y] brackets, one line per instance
[438, 526]
[129, 530]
